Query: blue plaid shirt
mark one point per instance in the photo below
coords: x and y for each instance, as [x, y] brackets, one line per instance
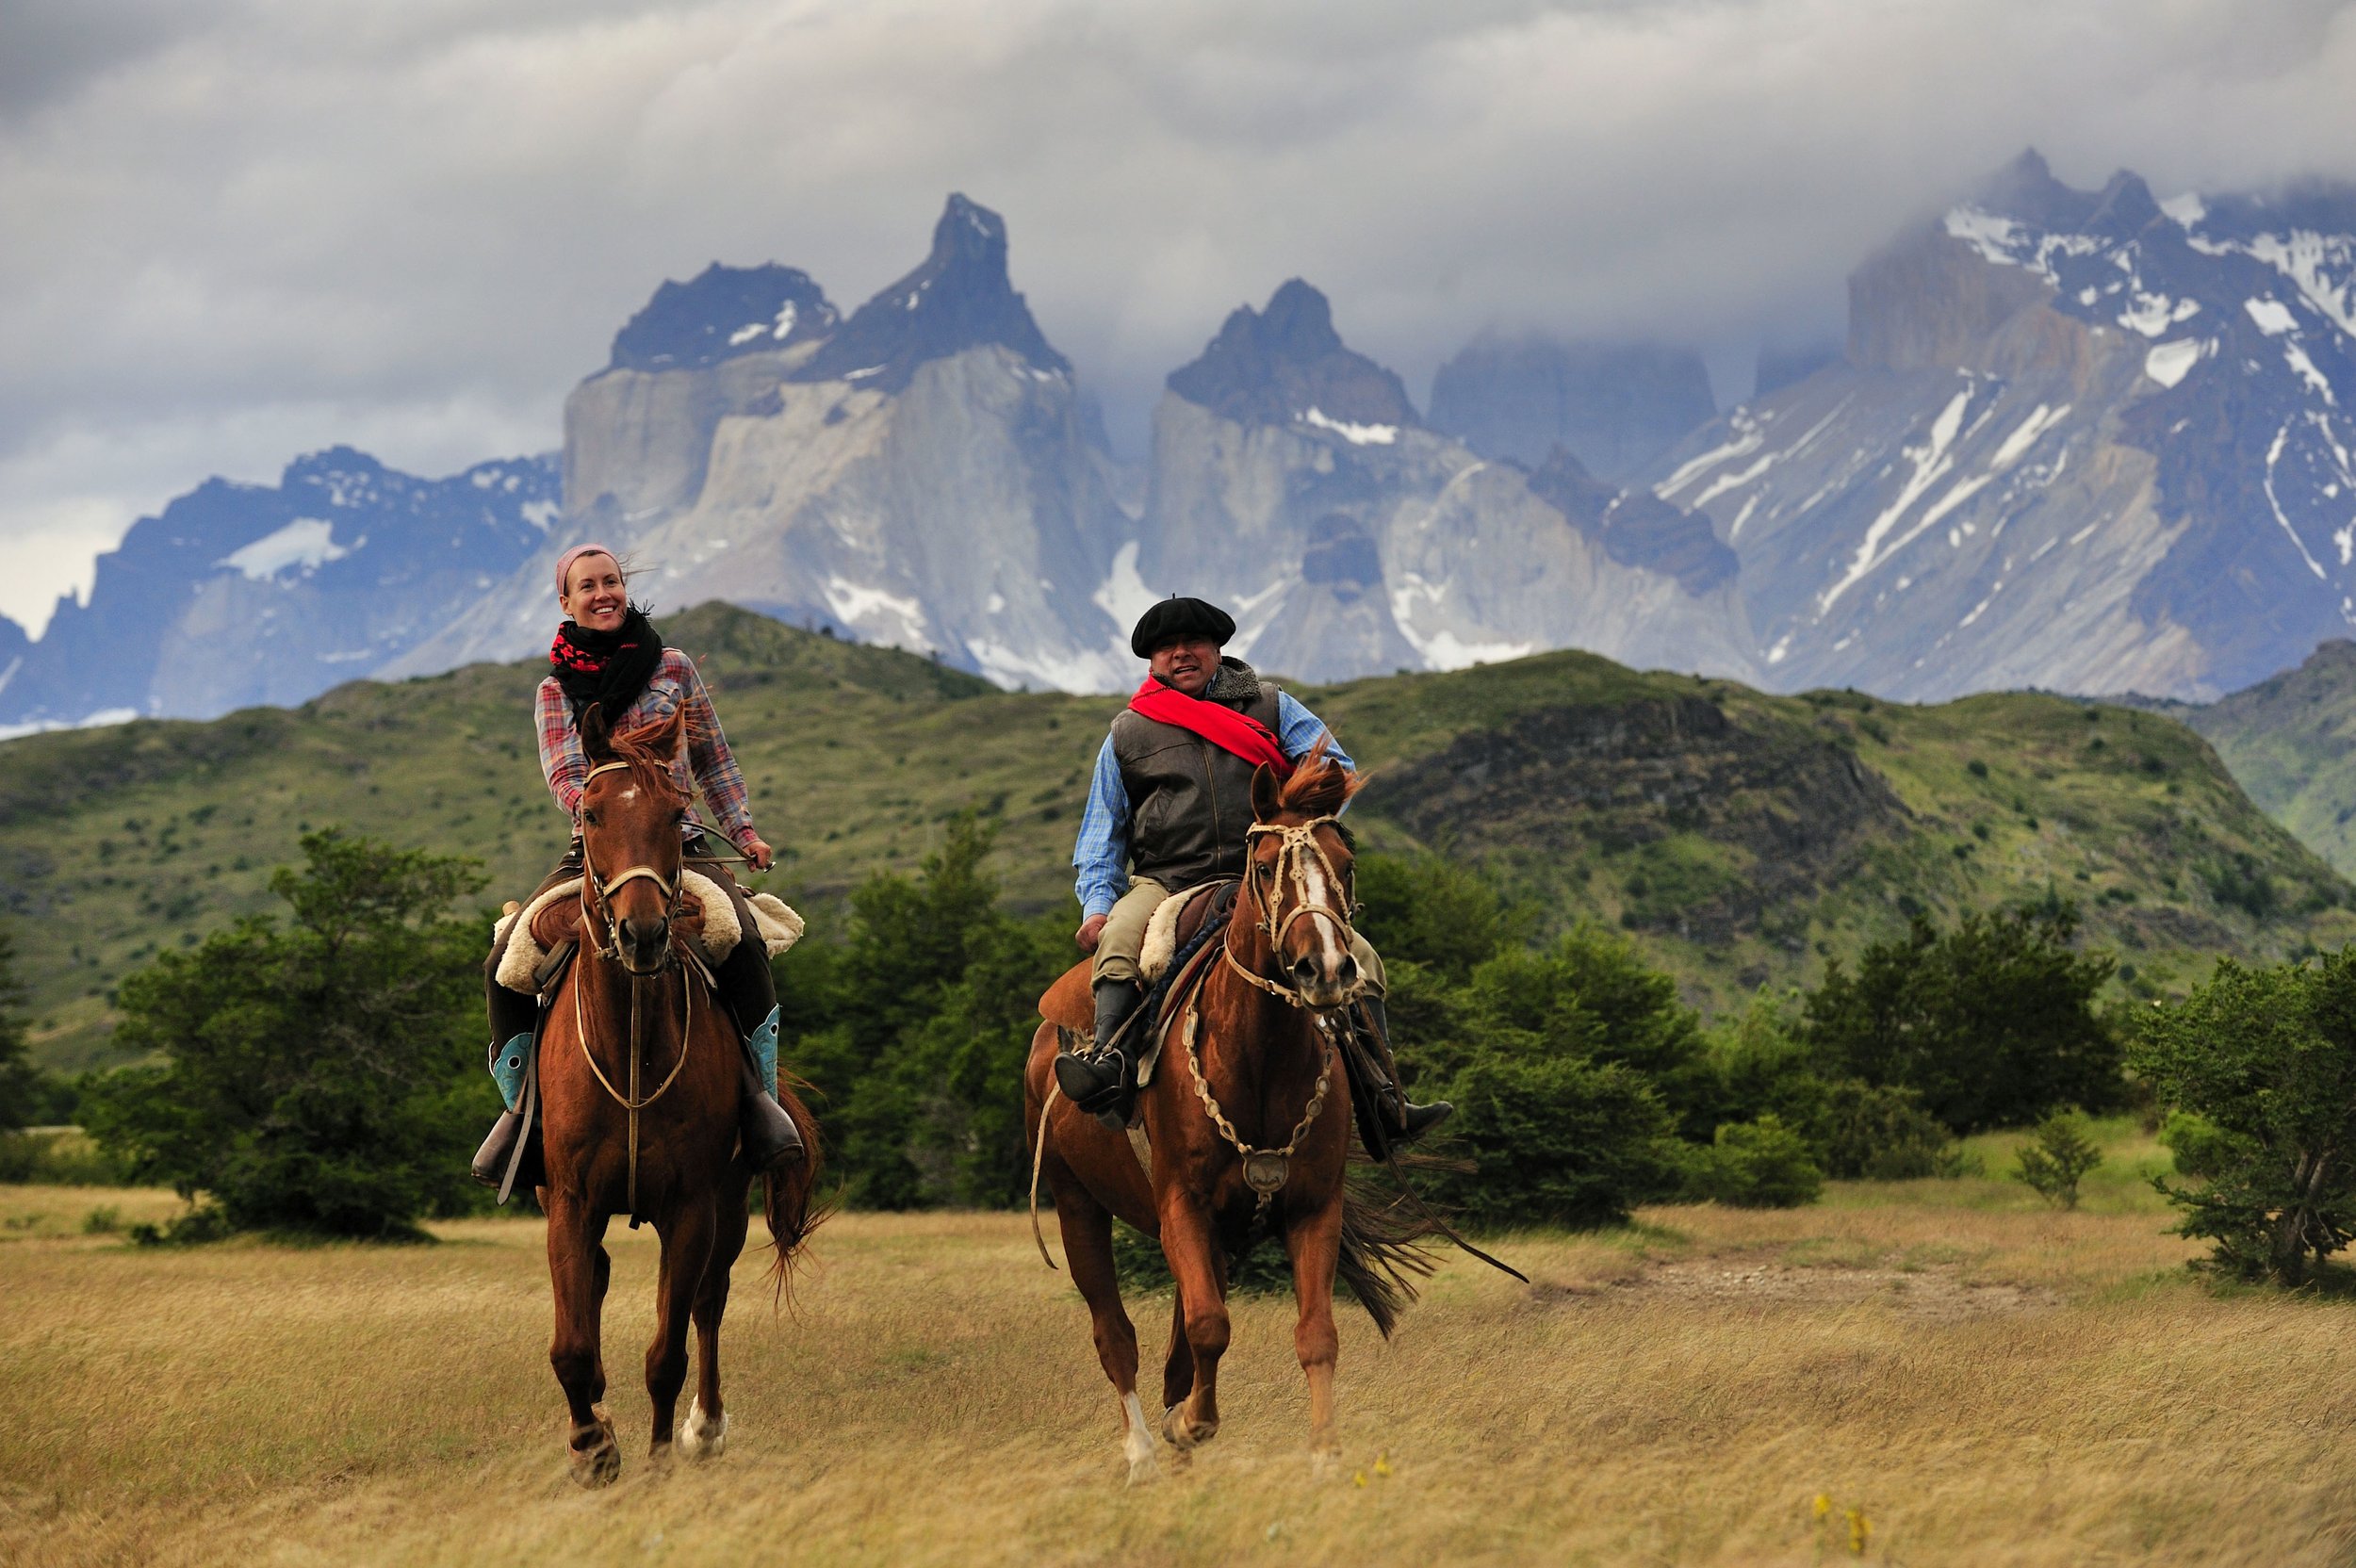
[1102, 855]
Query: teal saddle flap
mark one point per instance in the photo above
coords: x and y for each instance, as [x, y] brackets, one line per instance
[508, 1061]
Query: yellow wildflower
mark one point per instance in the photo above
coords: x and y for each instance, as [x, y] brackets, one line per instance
[1858, 1530]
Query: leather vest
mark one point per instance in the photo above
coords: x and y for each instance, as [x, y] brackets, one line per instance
[1189, 801]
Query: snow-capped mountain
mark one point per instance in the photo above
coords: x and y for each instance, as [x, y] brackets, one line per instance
[245, 593]
[920, 474]
[1292, 479]
[2088, 441]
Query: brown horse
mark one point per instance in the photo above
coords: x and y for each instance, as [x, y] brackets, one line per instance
[1248, 1132]
[673, 1160]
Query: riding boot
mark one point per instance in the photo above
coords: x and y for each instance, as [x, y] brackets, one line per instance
[1407, 1121]
[490, 1161]
[1099, 1083]
[768, 1134]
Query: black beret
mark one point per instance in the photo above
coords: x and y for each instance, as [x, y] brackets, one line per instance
[1175, 618]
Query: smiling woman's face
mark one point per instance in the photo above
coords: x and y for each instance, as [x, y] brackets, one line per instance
[595, 594]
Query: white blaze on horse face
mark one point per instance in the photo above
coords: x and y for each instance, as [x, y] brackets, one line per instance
[1313, 895]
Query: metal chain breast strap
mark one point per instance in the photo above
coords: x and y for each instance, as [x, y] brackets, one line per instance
[1265, 1170]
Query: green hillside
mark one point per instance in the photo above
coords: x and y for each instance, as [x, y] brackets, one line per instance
[1743, 837]
[2290, 742]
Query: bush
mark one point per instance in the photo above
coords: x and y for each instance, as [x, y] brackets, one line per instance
[324, 1076]
[1854, 1129]
[1880, 1135]
[915, 1027]
[2057, 1155]
[1552, 1140]
[2266, 1060]
[1435, 913]
[1992, 1023]
[1755, 1164]
[57, 1157]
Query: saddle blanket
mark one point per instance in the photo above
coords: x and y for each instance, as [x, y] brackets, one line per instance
[706, 912]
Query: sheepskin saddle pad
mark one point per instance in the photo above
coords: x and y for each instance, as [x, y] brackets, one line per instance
[707, 917]
[1175, 921]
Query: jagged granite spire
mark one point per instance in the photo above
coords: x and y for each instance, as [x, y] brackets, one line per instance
[725, 312]
[960, 298]
[1273, 366]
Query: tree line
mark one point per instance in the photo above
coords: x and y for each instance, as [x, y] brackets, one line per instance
[319, 1071]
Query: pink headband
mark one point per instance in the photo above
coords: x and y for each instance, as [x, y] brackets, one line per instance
[564, 561]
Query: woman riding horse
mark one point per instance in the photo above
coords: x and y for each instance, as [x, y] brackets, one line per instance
[607, 654]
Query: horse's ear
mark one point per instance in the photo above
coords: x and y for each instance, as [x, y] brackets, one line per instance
[595, 739]
[1266, 793]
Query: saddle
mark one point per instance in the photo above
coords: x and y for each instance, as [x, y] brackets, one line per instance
[545, 930]
[1179, 944]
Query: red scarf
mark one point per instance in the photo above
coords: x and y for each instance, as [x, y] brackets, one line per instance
[1224, 727]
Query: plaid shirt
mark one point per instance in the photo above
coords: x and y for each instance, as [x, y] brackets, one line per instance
[1101, 853]
[704, 762]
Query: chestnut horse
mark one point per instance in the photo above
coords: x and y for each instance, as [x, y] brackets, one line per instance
[673, 1160]
[1260, 1099]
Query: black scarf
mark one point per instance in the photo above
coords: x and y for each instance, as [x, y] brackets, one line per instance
[609, 668]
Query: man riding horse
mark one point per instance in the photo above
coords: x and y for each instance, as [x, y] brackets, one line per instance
[1169, 809]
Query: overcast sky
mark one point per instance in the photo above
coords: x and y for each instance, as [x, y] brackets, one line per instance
[234, 232]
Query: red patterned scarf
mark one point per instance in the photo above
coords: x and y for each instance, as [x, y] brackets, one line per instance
[1224, 727]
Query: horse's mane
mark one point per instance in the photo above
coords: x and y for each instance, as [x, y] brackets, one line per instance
[649, 750]
[1319, 785]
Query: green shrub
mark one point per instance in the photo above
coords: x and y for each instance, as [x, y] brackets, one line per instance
[324, 1076]
[1755, 1164]
[1879, 1133]
[1552, 1140]
[104, 1220]
[57, 1156]
[2057, 1155]
[2266, 1058]
[1992, 1023]
[2199, 1146]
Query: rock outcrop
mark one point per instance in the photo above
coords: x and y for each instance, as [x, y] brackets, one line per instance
[1292, 481]
[920, 474]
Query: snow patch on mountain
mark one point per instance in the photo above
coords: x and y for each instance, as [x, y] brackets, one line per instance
[307, 543]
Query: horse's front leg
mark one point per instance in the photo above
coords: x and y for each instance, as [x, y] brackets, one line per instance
[1198, 1263]
[1313, 1242]
[687, 1235]
[1087, 1249]
[578, 1268]
[705, 1432]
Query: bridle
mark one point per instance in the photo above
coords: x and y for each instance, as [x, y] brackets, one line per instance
[1297, 843]
[609, 948]
[609, 944]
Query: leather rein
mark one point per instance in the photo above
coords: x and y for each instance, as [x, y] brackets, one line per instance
[609, 948]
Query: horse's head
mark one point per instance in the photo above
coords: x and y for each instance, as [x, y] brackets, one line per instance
[1299, 880]
[631, 811]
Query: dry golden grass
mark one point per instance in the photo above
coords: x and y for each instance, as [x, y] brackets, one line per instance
[1985, 1380]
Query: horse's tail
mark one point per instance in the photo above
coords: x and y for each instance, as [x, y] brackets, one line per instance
[1385, 1249]
[792, 1207]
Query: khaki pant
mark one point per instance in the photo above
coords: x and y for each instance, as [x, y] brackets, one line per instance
[1123, 939]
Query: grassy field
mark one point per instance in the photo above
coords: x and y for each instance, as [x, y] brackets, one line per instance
[1983, 1379]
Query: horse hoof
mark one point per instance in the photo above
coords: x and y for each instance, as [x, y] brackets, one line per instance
[1323, 1462]
[596, 1457]
[1184, 1432]
[700, 1436]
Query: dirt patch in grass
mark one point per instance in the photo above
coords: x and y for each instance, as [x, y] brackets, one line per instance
[1939, 1292]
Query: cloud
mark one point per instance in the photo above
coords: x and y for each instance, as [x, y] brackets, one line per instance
[415, 227]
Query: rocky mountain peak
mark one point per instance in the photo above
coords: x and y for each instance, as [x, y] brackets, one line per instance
[960, 298]
[723, 312]
[1286, 365]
